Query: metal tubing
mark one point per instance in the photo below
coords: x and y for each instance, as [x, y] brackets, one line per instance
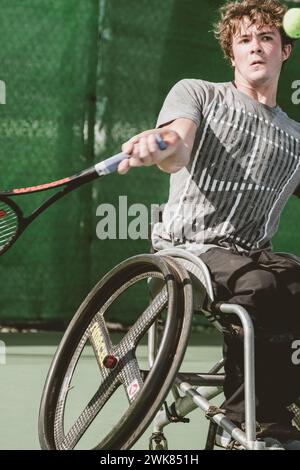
[250, 412]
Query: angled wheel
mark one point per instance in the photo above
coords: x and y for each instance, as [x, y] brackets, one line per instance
[99, 392]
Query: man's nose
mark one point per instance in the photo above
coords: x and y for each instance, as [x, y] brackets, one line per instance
[256, 45]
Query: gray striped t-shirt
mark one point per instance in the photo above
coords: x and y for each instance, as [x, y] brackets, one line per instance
[244, 166]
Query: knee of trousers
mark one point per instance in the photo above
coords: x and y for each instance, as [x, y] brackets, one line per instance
[259, 285]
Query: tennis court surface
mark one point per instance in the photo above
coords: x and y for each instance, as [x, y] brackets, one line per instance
[23, 371]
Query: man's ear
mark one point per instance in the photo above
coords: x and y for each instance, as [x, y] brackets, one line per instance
[286, 51]
[232, 62]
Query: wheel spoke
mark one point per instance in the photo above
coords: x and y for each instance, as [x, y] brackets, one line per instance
[104, 392]
[131, 377]
[144, 322]
[100, 341]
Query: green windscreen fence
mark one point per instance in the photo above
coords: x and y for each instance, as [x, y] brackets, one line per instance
[80, 78]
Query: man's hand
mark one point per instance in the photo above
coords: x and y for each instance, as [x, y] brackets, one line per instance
[143, 150]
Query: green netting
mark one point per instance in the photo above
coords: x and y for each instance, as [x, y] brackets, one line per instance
[48, 57]
[81, 78]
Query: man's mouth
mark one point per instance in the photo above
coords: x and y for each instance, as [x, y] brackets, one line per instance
[257, 62]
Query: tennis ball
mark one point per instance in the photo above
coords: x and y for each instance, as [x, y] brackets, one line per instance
[291, 23]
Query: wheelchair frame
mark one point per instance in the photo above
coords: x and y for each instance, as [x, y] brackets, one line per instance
[209, 385]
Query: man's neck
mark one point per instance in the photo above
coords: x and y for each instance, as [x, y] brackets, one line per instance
[265, 93]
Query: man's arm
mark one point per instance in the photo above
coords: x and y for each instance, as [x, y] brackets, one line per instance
[179, 136]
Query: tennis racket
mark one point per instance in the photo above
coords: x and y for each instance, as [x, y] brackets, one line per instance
[13, 222]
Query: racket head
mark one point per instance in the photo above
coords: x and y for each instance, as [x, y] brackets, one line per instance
[10, 223]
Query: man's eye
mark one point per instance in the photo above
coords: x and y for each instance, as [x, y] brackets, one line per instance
[267, 38]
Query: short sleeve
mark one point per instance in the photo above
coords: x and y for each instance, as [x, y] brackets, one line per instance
[185, 100]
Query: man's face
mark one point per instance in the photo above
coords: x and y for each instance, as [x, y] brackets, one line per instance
[257, 53]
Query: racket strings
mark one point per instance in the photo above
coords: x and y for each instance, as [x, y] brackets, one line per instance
[8, 224]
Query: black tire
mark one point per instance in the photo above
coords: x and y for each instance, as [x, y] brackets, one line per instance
[87, 325]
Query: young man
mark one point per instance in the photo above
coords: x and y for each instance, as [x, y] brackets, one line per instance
[234, 156]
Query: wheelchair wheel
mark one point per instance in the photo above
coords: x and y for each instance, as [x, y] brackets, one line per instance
[66, 415]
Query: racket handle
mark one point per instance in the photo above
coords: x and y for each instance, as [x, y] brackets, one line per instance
[160, 142]
[111, 164]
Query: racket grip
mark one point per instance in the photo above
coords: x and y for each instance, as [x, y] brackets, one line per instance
[111, 164]
[160, 142]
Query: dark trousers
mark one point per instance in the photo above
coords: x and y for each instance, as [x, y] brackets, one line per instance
[268, 286]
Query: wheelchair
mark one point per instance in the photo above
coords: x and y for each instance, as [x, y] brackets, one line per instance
[179, 285]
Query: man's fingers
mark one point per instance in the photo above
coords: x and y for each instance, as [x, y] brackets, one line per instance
[126, 164]
[135, 161]
[127, 147]
[123, 167]
[152, 143]
[144, 150]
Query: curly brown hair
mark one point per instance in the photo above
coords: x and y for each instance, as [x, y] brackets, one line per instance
[260, 12]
